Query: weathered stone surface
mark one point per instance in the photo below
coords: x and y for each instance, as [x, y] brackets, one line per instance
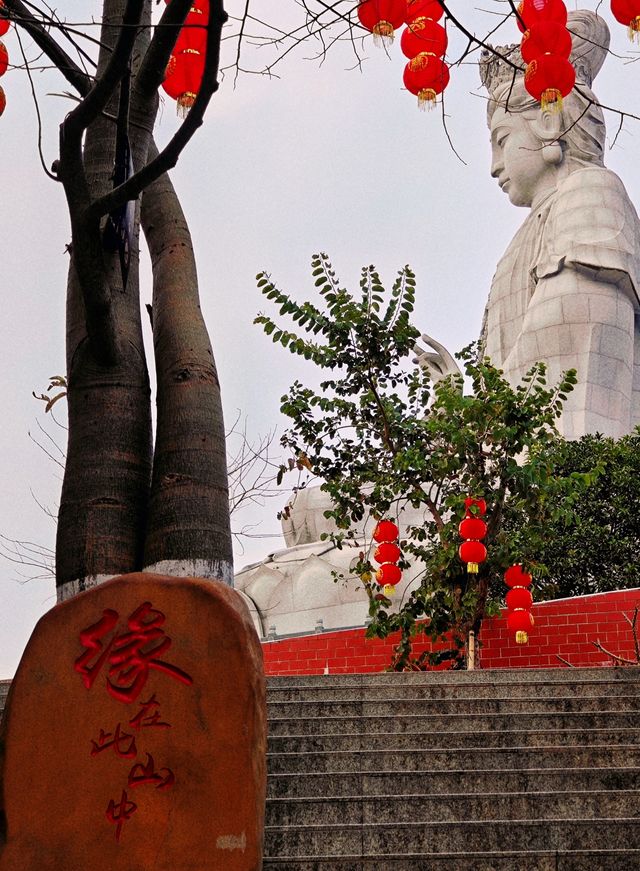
[135, 733]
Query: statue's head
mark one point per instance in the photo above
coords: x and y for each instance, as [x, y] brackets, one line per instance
[532, 148]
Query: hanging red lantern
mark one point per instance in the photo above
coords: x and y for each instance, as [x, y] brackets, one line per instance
[423, 9]
[202, 5]
[423, 34]
[382, 17]
[385, 530]
[532, 11]
[389, 574]
[475, 506]
[627, 12]
[4, 22]
[184, 77]
[4, 58]
[426, 76]
[472, 527]
[519, 597]
[546, 37]
[387, 552]
[193, 34]
[3, 101]
[549, 79]
[472, 553]
[515, 576]
[519, 621]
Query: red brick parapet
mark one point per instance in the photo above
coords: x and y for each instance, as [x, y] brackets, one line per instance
[564, 627]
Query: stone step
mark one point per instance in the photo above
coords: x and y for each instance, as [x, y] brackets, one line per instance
[606, 718]
[399, 706]
[491, 689]
[538, 860]
[391, 809]
[467, 759]
[399, 782]
[422, 837]
[460, 678]
[415, 740]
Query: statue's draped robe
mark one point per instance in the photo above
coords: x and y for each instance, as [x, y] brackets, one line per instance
[567, 292]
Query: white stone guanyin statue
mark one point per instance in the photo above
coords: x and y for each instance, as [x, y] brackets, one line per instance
[565, 292]
[567, 289]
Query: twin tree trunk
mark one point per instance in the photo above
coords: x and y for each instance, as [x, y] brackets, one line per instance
[123, 506]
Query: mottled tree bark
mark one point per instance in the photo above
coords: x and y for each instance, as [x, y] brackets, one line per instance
[106, 490]
[188, 529]
[103, 507]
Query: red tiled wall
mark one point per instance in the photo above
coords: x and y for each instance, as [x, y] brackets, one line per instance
[566, 627]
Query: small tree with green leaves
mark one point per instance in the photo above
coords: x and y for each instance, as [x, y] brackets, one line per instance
[381, 436]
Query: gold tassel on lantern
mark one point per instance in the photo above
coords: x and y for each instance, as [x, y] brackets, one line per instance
[388, 590]
[551, 99]
[522, 637]
[383, 33]
[426, 99]
[472, 568]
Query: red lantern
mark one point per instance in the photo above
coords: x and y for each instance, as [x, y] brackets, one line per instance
[201, 5]
[519, 597]
[389, 574]
[548, 79]
[382, 17]
[385, 530]
[387, 553]
[3, 101]
[545, 37]
[519, 621]
[533, 11]
[515, 576]
[423, 34]
[472, 527]
[4, 22]
[193, 34]
[479, 505]
[472, 553]
[627, 12]
[4, 58]
[426, 76]
[184, 77]
[423, 9]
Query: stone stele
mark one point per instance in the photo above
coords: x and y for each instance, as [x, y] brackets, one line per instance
[134, 734]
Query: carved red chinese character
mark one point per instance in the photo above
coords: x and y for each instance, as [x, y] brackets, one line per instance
[118, 740]
[90, 638]
[130, 655]
[141, 774]
[119, 812]
[145, 720]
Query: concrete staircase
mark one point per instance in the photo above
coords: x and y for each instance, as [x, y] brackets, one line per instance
[473, 771]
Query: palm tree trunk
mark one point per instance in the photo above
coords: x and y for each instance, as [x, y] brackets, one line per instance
[188, 531]
[105, 491]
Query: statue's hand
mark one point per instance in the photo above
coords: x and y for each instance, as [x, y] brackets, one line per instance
[438, 362]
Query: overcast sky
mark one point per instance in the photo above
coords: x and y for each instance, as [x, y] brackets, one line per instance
[323, 158]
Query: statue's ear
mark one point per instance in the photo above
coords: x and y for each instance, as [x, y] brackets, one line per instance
[548, 127]
[549, 123]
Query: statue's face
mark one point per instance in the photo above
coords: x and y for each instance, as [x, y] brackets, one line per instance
[517, 160]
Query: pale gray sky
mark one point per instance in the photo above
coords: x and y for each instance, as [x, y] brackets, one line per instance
[328, 159]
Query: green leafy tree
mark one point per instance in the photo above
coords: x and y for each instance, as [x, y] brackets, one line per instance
[598, 550]
[381, 436]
